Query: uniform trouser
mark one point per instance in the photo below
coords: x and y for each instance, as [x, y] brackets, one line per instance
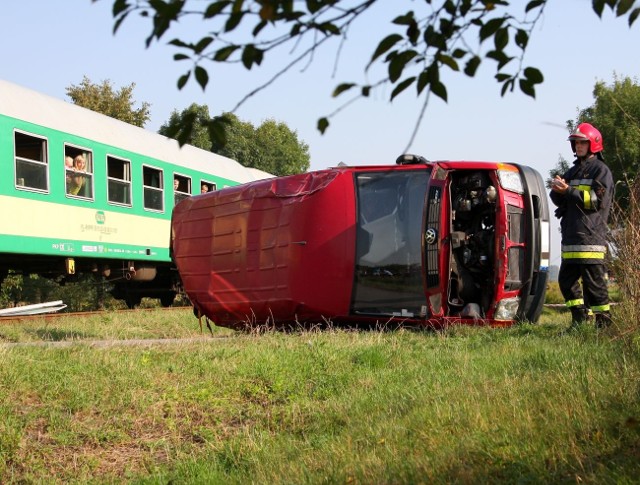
[594, 284]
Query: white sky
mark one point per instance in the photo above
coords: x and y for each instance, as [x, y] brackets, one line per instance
[49, 45]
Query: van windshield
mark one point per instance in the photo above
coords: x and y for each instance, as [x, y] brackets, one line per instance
[388, 276]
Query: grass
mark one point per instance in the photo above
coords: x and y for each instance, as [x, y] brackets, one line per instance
[528, 404]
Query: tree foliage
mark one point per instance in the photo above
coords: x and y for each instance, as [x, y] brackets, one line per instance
[272, 146]
[189, 126]
[429, 37]
[104, 99]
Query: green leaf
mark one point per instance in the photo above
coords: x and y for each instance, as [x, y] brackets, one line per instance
[398, 63]
[224, 53]
[323, 124]
[180, 43]
[423, 81]
[341, 88]
[534, 4]
[261, 25]
[217, 129]
[624, 6]
[233, 21]
[183, 79]
[366, 90]
[533, 75]
[180, 57]
[598, 7]
[501, 39]
[202, 44]
[633, 16]
[202, 76]
[313, 6]
[490, 28]
[527, 88]
[448, 61]
[402, 86]
[500, 57]
[329, 28]
[385, 44]
[405, 19]
[522, 39]
[215, 8]
[439, 90]
[507, 85]
[251, 55]
[472, 66]
[119, 6]
[459, 53]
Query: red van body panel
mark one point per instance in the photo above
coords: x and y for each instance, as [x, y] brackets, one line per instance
[422, 243]
[279, 246]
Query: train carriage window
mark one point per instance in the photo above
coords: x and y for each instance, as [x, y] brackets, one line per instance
[181, 187]
[207, 186]
[31, 162]
[118, 181]
[152, 181]
[78, 164]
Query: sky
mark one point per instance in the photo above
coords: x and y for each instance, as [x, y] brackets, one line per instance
[50, 45]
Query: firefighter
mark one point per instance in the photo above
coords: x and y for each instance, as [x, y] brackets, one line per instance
[583, 198]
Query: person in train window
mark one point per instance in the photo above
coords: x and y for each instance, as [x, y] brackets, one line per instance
[68, 167]
[77, 180]
[204, 188]
[176, 184]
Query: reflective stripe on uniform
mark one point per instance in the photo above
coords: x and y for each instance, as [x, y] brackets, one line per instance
[577, 302]
[601, 308]
[582, 255]
[587, 248]
[586, 197]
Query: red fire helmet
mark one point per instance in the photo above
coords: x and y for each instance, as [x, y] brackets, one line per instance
[586, 131]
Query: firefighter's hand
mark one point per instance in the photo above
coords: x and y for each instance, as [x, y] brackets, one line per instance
[559, 185]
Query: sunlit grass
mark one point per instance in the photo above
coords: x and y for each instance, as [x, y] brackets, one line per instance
[525, 404]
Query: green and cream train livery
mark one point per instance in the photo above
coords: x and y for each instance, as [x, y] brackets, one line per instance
[82, 192]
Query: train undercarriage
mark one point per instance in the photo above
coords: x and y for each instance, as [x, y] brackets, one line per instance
[129, 281]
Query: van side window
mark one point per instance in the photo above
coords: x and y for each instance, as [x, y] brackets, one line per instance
[118, 180]
[181, 188]
[31, 162]
[78, 163]
[152, 186]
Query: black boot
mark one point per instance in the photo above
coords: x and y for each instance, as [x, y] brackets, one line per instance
[579, 315]
[603, 319]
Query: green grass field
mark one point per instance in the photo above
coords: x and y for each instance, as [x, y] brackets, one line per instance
[528, 404]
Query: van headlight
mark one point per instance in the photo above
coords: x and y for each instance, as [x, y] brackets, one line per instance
[510, 180]
[507, 308]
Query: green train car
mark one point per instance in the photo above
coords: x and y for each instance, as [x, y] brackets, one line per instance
[81, 192]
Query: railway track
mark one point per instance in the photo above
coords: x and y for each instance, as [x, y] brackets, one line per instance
[56, 316]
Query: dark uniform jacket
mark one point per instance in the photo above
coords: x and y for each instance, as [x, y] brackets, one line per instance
[583, 211]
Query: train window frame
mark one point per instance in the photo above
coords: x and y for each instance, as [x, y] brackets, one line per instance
[156, 189]
[119, 178]
[184, 188]
[23, 165]
[73, 151]
[211, 186]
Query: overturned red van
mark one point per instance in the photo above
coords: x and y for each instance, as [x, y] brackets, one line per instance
[419, 242]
